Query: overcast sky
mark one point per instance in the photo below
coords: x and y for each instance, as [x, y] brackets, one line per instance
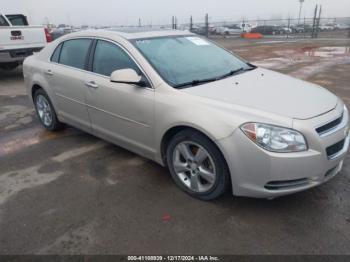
[127, 12]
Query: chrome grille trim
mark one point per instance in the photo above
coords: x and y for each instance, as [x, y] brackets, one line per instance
[342, 151]
[287, 184]
[334, 126]
[329, 126]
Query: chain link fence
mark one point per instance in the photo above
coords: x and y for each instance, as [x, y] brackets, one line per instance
[335, 27]
[268, 28]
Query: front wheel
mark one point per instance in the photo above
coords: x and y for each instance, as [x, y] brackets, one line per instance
[197, 165]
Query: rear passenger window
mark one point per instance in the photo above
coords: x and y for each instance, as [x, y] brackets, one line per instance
[3, 21]
[56, 55]
[74, 52]
[110, 57]
[17, 20]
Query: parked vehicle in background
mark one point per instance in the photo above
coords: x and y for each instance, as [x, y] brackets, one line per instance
[62, 30]
[199, 30]
[84, 27]
[341, 26]
[228, 30]
[283, 30]
[19, 40]
[246, 27]
[65, 29]
[327, 27]
[266, 30]
[234, 29]
[296, 29]
[301, 28]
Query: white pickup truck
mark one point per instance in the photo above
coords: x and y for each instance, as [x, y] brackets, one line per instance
[19, 40]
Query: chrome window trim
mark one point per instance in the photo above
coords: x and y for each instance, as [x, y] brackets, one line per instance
[96, 74]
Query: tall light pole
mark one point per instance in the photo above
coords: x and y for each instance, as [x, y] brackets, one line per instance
[301, 7]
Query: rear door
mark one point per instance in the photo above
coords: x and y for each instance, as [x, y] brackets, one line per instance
[67, 76]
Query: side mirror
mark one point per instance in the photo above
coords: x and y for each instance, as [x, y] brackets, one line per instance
[127, 76]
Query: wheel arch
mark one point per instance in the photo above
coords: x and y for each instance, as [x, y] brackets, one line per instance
[36, 85]
[172, 131]
[34, 88]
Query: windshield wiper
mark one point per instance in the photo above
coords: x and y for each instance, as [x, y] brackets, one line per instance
[195, 82]
[252, 67]
[236, 71]
[231, 73]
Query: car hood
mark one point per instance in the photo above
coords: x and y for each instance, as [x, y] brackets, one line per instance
[269, 91]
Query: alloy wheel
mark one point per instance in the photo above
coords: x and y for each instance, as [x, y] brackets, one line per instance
[44, 110]
[194, 166]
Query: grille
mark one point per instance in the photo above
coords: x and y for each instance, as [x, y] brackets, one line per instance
[286, 184]
[329, 126]
[334, 149]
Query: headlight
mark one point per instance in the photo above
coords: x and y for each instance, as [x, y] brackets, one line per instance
[274, 138]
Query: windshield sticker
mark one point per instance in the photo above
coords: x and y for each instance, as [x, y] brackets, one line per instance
[197, 40]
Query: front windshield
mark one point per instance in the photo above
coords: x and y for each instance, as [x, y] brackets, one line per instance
[188, 59]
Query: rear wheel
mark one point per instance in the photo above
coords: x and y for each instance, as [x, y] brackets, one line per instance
[197, 166]
[46, 111]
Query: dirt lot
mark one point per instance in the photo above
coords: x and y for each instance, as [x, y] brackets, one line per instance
[72, 193]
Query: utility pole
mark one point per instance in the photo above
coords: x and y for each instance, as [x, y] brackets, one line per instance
[139, 22]
[318, 21]
[206, 25]
[191, 23]
[301, 7]
[314, 23]
[174, 23]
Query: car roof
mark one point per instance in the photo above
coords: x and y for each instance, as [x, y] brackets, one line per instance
[129, 33]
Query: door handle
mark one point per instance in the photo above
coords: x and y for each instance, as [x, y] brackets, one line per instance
[91, 84]
[49, 72]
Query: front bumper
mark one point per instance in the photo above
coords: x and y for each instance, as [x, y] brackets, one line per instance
[256, 172]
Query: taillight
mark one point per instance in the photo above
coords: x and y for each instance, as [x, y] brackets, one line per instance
[48, 36]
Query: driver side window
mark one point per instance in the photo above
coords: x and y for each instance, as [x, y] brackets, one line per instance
[109, 57]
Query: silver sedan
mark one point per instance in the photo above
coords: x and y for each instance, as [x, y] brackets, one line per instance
[216, 121]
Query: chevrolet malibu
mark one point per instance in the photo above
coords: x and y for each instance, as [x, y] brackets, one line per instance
[216, 121]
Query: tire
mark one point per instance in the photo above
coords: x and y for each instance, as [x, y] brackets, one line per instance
[52, 123]
[204, 179]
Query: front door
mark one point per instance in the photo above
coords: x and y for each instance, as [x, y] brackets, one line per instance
[123, 113]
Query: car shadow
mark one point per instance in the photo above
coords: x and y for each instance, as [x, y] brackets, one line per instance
[15, 74]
